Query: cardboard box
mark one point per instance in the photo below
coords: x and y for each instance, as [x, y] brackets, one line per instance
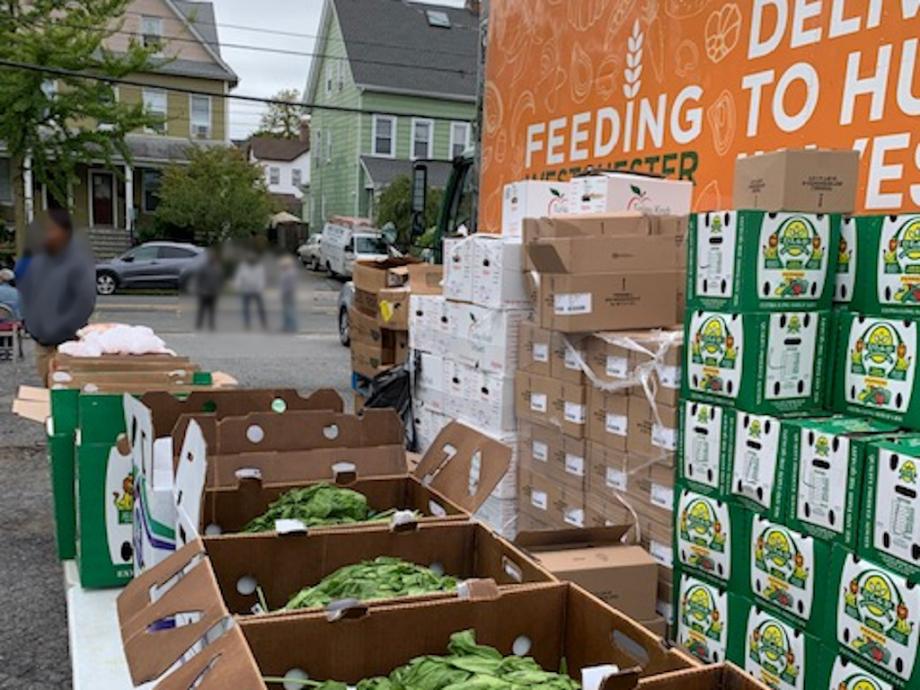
[498, 273]
[427, 313]
[531, 199]
[758, 261]
[891, 507]
[490, 405]
[774, 652]
[596, 559]
[766, 363]
[713, 677]
[547, 451]
[426, 279]
[366, 302]
[705, 447]
[608, 225]
[608, 417]
[255, 459]
[549, 353]
[702, 618]
[369, 360]
[875, 621]
[623, 191]
[650, 434]
[500, 514]
[384, 637]
[458, 269]
[876, 374]
[389, 347]
[551, 503]
[609, 470]
[705, 529]
[826, 461]
[374, 276]
[552, 402]
[393, 308]
[758, 479]
[808, 181]
[483, 338]
[786, 572]
[848, 675]
[627, 357]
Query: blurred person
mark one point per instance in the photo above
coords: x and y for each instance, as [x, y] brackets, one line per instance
[58, 291]
[9, 295]
[250, 283]
[209, 281]
[34, 234]
[288, 285]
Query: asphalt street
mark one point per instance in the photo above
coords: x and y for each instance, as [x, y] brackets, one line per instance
[34, 652]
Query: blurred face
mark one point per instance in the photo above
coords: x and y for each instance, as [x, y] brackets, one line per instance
[56, 237]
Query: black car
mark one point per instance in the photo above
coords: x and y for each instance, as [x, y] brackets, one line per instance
[150, 265]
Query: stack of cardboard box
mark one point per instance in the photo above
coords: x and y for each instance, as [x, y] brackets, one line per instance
[792, 556]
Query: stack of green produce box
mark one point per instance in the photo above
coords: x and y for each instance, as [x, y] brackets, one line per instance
[797, 517]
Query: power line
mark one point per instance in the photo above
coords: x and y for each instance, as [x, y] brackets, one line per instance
[61, 72]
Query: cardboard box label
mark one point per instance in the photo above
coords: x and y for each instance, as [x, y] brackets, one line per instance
[616, 424]
[876, 617]
[574, 412]
[539, 500]
[669, 376]
[617, 367]
[540, 352]
[881, 363]
[848, 676]
[572, 303]
[704, 534]
[845, 277]
[702, 620]
[540, 451]
[664, 437]
[896, 529]
[575, 464]
[662, 496]
[898, 267]
[716, 347]
[573, 516]
[774, 653]
[755, 466]
[823, 477]
[703, 452]
[782, 567]
[662, 553]
[538, 402]
[616, 479]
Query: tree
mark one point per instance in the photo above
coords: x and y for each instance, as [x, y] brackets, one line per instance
[51, 118]
[218, 195]
[283, 120]
[395, 206]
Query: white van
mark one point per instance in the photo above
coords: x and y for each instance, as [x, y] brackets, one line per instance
[346, 240]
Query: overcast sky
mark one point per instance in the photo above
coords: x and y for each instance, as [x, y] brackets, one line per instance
[265, 73]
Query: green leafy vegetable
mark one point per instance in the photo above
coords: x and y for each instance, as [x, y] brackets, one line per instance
[384, 577]
[467, 666]
[316, 505]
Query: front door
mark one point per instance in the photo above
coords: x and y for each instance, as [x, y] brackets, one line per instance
[102, 185]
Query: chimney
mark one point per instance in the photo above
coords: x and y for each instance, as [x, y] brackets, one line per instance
[472, 6]
[304, 131]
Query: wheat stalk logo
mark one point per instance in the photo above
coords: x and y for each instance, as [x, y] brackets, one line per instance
[633, 72]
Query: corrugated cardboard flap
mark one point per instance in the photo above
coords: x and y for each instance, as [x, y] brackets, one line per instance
[184, 609]
[724, 676]
[536, 540]
[223, 664]
[464, 465]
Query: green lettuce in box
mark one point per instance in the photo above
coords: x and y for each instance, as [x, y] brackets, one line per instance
[757, 478]
[779, 655]
[825, 461]
[704, 530]
[876, 618]
[768, 363]
[761, 261]
[887, 258]
[876, 369]
[891, 506]
[785, 572]
[704, 446]
[702, 617]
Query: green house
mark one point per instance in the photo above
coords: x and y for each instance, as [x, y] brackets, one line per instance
[399, 80]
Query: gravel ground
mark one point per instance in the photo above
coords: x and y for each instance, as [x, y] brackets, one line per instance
[34, 652]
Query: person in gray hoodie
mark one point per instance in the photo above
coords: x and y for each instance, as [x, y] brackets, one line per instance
[58, 291]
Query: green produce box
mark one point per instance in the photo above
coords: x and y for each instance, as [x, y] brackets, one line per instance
[785, 572]
[704, 446]
[61, 463]
[760, 261]
[891, 506]
[705, 528]
[768, 363]
[776, 653]
[757, 478]
[702, 617]
[876, 621]
[887, 256]
[845, 674]
[876, 369]
[825, 461]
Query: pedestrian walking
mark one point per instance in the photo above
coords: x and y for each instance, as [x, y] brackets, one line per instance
[250, 283]
[209, 281]
[288, 287]
[58, 291]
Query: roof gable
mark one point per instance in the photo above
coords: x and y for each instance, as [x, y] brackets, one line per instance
[277, 148]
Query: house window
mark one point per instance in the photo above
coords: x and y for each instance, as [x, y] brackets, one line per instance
[296, 177]
[274, 175]
[328, 145]
[329, 77]
[422, 138]
[384, 131]
[340, 74]
[318, 145]
[152, 32]
[459, 138]
[200, 109]
[6, 184]
[150, 190]
[155, 104]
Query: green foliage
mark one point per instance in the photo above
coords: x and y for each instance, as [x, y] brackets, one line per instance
[384, 577]
[317, 504]
[57, 128]
[395, 206]
[282, 120]
[218, 195]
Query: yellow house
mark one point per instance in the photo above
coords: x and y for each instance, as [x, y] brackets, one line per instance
[110, 205]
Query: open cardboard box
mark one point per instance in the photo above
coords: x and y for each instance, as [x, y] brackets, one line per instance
[266, 570]
[715, 677]
[550, 622]
[255, 459]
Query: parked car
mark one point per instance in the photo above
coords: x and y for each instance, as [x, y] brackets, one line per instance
[346, 299]
[343, 244]
[150, 265]
[309, 252]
